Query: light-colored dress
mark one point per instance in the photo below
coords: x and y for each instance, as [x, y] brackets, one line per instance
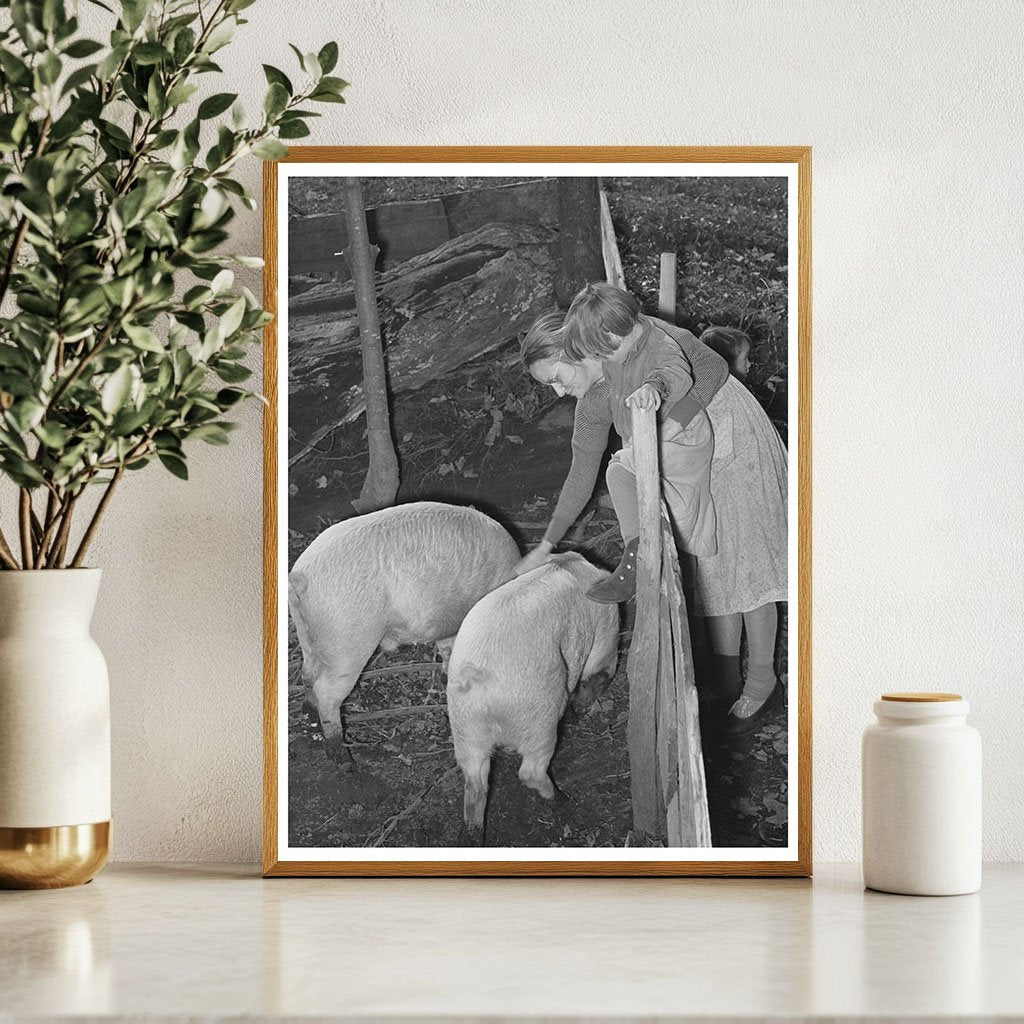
[750, 486]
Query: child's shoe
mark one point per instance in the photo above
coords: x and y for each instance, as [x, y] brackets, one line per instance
[746, 715]
[621, 585]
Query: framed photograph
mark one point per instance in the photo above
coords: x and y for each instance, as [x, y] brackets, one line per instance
[538, 511]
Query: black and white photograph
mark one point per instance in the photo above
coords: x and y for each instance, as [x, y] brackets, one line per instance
[537, 442]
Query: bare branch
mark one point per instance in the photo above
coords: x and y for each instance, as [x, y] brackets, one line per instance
[25, 522]
[101, 508]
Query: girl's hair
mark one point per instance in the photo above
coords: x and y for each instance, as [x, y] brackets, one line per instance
[599, 316]
[728, 342]
[545, 339]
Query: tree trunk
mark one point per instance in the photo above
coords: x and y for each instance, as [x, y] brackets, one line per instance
[381, 484]
[579, 226]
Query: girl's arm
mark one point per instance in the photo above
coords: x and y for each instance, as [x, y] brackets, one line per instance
[688, 374]
[591, 425]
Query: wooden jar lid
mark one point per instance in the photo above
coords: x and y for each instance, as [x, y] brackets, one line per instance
[921, 698]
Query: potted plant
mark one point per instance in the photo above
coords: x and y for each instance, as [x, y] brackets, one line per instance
[122, 339]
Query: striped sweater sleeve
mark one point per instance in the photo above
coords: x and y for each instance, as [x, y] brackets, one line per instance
[591, 424]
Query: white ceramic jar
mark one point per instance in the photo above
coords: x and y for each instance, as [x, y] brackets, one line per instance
[921, 776]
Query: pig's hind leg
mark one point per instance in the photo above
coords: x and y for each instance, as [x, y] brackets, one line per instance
[476, 769]
[537, 754]
[332, 686]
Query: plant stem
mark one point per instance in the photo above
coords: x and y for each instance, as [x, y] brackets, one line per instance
[54, 508]
[25, 521]
[60, 544]
[6, 554]
[97, 516]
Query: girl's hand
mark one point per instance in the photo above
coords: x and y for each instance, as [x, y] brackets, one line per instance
[647, 396]
[538, 556]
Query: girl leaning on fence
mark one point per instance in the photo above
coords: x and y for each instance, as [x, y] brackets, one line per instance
[609, 356]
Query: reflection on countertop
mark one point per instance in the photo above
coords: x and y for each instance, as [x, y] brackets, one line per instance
[179, 941]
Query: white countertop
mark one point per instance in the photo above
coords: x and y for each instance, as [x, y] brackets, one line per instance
[216, 941]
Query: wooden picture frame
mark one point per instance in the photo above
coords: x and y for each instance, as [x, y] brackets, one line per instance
[789, 164]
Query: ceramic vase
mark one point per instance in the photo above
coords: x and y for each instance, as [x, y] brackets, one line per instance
[54, 731]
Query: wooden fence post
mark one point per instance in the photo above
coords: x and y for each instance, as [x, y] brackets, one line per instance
[643, 664]
[665, 756]
[667, 288]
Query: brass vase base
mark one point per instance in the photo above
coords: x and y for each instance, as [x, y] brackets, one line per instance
[52, 858]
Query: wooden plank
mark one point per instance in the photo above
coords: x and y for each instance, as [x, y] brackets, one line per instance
[522, 202]
[667, 288]
[691, 810]
[399, 230]
[668, 711]
[642, 664]
[610, 247]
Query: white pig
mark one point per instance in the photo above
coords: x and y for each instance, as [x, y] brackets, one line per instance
[517, 657]
[406, 574]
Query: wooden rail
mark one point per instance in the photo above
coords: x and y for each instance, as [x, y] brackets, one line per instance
[666, 761]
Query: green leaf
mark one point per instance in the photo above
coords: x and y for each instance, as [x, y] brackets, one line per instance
[53, 435]
[21, 471]
[269, 149]
[193, 379]
[149, 53]
[49, 68]
[228, 397]
[156, 101]
[310, 65]
[211, 433]
[116, 390]
[232, 373]
[53, 14]
[181, 94]
[293, 130]
[278, 77]
[221, 35]
[144, 338]
[214, 105]
[26, 414]
[128, 421]
[184, 44]
[276, 99]
[232, 319]
[328, 58]
[14, 68]
[175, 465]
[196, 296]
[133, 12]
[83, 48]
[222, 281]
[163, 139]
[326, 96]
[334, 84]
[26, 20]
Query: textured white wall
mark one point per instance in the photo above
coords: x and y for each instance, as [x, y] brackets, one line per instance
[914, 113]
